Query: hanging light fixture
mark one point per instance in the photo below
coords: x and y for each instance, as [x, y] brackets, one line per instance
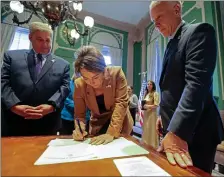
[55, 13]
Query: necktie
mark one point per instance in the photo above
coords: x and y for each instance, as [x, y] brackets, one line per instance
[39, 60]
[166, 52]
[168, 46]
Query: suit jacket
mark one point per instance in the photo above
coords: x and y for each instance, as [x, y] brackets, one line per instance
[115, 99]
[187, 105]
[19, 87]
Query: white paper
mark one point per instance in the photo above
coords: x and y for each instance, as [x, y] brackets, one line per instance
[62, 154]
[118, 148]
[64, 142]
[61, 151]
[139, 166]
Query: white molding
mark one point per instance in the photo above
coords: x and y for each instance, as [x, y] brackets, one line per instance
[115, 34]
[219, 53]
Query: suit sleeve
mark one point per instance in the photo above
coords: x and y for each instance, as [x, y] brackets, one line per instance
[59, 97]
[80, 105]
[199, 67]
[121, 104]
[8, 97]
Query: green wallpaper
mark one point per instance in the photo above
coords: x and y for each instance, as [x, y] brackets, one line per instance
[68, 55]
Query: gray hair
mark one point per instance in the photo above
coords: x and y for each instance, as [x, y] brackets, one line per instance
[39, 26]
[155, 3]
[89, 58]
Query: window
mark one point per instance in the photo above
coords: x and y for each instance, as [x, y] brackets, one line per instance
[106, 55]
[20, 39]
[107, 59]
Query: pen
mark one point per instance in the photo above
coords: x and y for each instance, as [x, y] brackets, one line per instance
[79, 126]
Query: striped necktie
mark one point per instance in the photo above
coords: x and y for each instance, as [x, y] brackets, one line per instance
[39, 60]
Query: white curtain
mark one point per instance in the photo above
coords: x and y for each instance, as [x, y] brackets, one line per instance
[98, 46]
[154, 62]
[116, 56]
[151, 62]
[7, 33]
[222, 16]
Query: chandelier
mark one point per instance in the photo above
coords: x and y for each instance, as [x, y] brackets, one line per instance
[55, 13]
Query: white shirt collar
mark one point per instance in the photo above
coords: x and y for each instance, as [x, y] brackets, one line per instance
[178, 27]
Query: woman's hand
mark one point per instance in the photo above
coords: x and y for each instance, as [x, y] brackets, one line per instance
[102, 139]
[77, 134]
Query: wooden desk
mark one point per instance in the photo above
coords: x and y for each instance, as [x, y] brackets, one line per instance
[20, 153]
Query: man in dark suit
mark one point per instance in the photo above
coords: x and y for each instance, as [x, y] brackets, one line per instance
[190, 119]
[34, 84]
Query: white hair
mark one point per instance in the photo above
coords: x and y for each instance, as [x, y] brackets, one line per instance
[155, 3]
[39, 26]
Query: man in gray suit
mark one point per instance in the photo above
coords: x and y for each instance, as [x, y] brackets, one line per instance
[190, 119]
[34, 85]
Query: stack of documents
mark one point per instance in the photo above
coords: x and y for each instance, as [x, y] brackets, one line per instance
[139, 166]
[68, 150]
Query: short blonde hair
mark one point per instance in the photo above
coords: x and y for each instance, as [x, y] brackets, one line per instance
[39, 26]
[155, 3]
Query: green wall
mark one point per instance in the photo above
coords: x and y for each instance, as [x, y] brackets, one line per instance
[220, 31]
[137, 55]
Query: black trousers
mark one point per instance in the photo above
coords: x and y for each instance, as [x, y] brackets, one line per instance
[67, 127]
[14, 125]
[204, 143]
[203, 155]
[133, 113]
